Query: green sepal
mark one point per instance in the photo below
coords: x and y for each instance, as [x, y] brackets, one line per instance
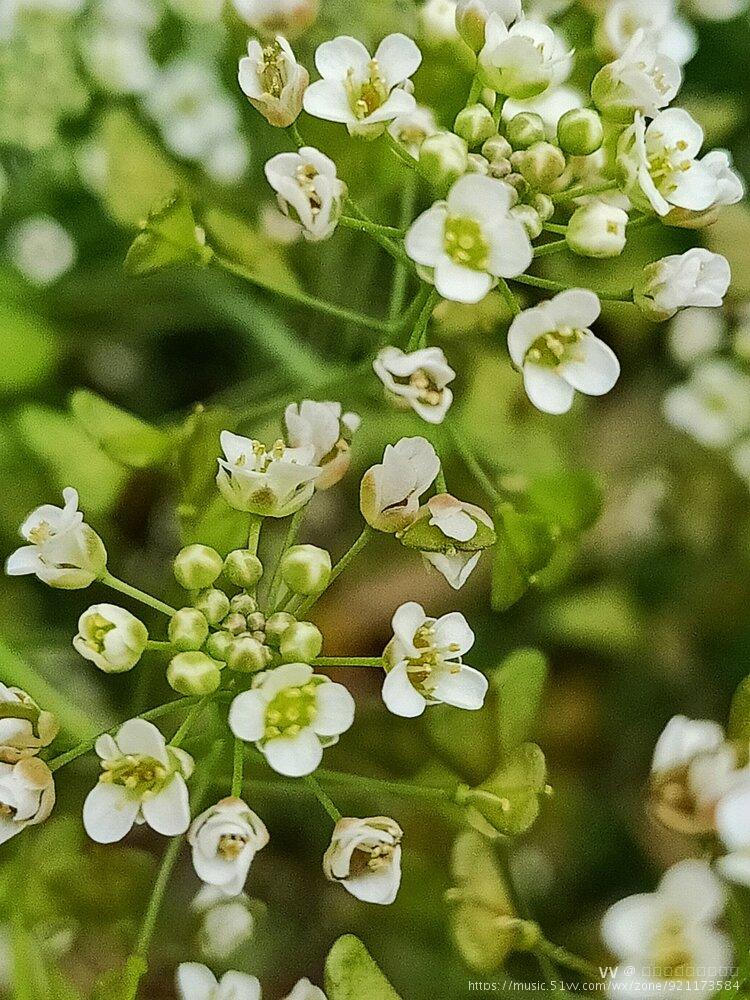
[429, 538]
[169, 235]
[507, 802]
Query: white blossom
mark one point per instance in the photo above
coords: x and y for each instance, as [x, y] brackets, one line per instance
[273, 81]
[271, 483]
[662, 28]
[642, 80]
[197, 982]
[27, 795]
[695, 278]
[365, 857]
[63, 551]
[225, 838]
[470, 239]
[142, 781]
[472, 17]
[363, 92]
[694, 333]
[733, 828]
[227, 922]
[23, 734]
[730, 188]
[111, 637]
[424, 666]
[524, 60]
[597, 230]
[438, 19]
[41, 249]
[413, 127]
[713, 406]
[308, 190]
[290, 17]
[390, 491]
[292, 714]
[552, 345]
[457, 520]
[419, 379]
[322, 426]
[118, 57]
[717, 10]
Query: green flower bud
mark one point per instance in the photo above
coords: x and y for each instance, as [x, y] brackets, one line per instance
[213, 603]
[580, 132]
[471, 21]
[301, 643]
[218, 644]
[197, 567]
[597, 230]
[524, 129]
[519, 184]
[244, 604]
[488, 98]
[194, 673]
[247, 655]
[243, 568]
[235, 623]
[544, 205]
[542, 164]
[188, 629]
[529, 219]
[478, 164]
[497, 148]
[475, 125]
[306, 569]
[277, 625]
[443, 159]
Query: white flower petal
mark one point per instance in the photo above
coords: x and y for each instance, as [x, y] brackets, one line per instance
[398, 58]
[692, 889]
[406, 620]
[464, 689]
[380, 886]
[294, 756]
[138, 736]
[238, 986]
[335, 709]
[576, 307]
[546, 389]
[460, 284]
[327, 99]
[109, 812]
[195, 981]
[335, 58]
[628, 926]
[452, 630]
[168, 812]
[424, 240]
[733, 818]
[597, 370]
[247, 716]
[400, 695]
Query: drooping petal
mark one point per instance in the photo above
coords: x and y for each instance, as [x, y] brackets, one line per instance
[109, 812]
[546, 390]
[23, 561]
[335, 710]
[400, 695]
[294, 756]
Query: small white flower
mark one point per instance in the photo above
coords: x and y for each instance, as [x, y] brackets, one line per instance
[25, 733]
[457, 520]
[557, 352]
[390, 491]
[363, 92]
[713, 406]
[227, 922]
[412, 128]
[225, 838]
[304, 990]
[197, 982]
[669, 937]
[63, 551]
[323, 427]
[597, 230]
[695, 278]
[273, 81]
[730, 188]
[439, 20]
[695, 333]
[118, 57]
[420, 379]
[717, 10]
[662, 29]
[290, 17]
[522, 61]
[642, 80]
[27, 795]
[365, 857]
[41, 249]
[550, 106]
[271, 483]
[142, 781]
[291, 714]
[110, 637]
[308, 190]
[423, 663]
[470, 239]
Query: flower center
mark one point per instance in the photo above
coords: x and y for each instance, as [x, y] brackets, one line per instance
[368, 96]
[139, 773]
[671, 956]
[272, 71]
[290, 711]
[41, 532]
[422, 669]
[552, 348]
[97, 629]
[261, 456]
[306, 174]
[371, 858]
[465, 244]
[231, 845]
[665, 162]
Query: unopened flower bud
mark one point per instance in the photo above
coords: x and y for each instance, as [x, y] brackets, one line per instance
[542, 164]
[519, 184]
[276, 626]
[497, 148]
[443, 159]
[188, 629]
[256, 621]
[529, 219]
[475, 125]
[524, 129]
[243, 568]
[243, 604]
[235, 623]
[488, 98]
[110, 637]
[301, 643]
[218, 643]
[597, 230]
[213, 603]
[478, 164]
[194, 673]
[247, 655]
[197, 566]
[580, 132]
[306, 569]
[544, 205]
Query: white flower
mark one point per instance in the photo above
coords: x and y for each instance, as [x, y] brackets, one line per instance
[270, 483]
[227, 922]
[713, 406]
[27, 795]
[225, 838]
[550, 106]
[390, 492]
[308, 190]
[118, 57]
[470, 239]
[41, 249]
[273, 81]
[717, 10]
[365, 857]
[668, 938]
[363, 92]
[438, 19]
[457, 520]
[423, 663]
[730, 188]
[642, 79]
[597, 230]
[323, 427]
[522, 61]
[557, 352]
[695, 278]
[227, 160]
[110, 637]
[63, 551]
[695, 333]
[733, 828]
[665, 32]
[420, 379]
[290, 17]
[24, 728]
[291, 714]
[304, 990]
[197, 982]
[412, 128]
[142, 781]
[472, 17]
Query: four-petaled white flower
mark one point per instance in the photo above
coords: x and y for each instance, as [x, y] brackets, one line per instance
[365, 857]
[457, 520]
[24, 727]
[694, 278]
[63, 551]
[27, 795]
[291, 714]
[323, 427]
[389, 493]
[713, 406]
[470, 239]
[522, 61]
[142, 781]
[271, 483]
[419, 380]
[670, 936]
[423, 663]
[363, 92]
[111, 637]
[308, 190]
[197, 982]
[225, 838]
[557, 352]
[273, 81]
[642, 79]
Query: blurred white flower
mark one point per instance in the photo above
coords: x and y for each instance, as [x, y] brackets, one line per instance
[308, 190]
[390, 492]
[24, 734]
[438, 19]
[365, 857]
[717, 10]
[524, 60]
[41, 249]
[662, 28]
[457, 520]
[412, 128]
[713, 406]
[329, 432]
[197, 982]
[642, 79]
[117, 56]
[227, 922]
[227, 161]
[27, 795]
[288, 17]
[271, 483]
[225, 838]
[695, 278]
[278, 227]
[273, 81]
[110, 637]
[694, 333]
[733, 828]
[419, 379]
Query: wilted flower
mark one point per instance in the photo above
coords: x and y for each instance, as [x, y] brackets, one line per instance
[197, 982]
[413, 127]
[322, 426]
[269, 483]
[695, 278]
[389, 492]
[142, 781]
[713, 406]
[419, 380]
[273, 81]
[111, 637]
[308, 190]
[365, 857]
[423, 663]
[291, 714]
[642, 79]
[225, 838]
[63, 551]
[522, 61]
[41, 249]
[24, 727]
[27, 795]
[558, 354]
[363, 92]
[460, 532]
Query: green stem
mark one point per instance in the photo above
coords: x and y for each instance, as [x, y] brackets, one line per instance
[253, 533]
[294, 132]
[347, 661]
[510, 299]
[561, 956]
[238, 767]
[581, 192]
[440, 484]
[291, 534]
[339, 568]
[184, 729]
[396, 147]
[547, 248]
[323, 797]
[553, 227]
[401, 271]
[472, 464]
[138, 595]
[404, 789]
[418, 334]
[556, 286]
[158, 644]
[373, 228]
[475, 90]
[396, 250]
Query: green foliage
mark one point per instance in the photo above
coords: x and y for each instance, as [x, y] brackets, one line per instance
[169, 235]
[29, 350]
[519, 685]
[241, 242]
[351, 973]
[508, 801]
[738, 727]
[122, 436]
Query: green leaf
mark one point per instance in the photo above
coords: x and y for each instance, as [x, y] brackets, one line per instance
[351, 974]
[738, 727]
[569, 502]
[519, 684]
[524, 547]
[29, 349]
[244, 244]
[124, 437]
[508, 801]
[169, 235]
